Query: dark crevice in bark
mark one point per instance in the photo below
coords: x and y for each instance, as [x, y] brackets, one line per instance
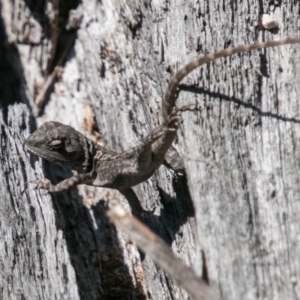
[11, 73]
[205, 275]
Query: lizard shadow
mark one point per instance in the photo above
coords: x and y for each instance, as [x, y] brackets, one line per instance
[223, 97]
[93, 245]
[175, 212]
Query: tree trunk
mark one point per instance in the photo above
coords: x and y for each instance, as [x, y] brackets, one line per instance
[239, 147]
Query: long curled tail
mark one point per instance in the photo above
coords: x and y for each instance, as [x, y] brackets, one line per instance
[171, 93]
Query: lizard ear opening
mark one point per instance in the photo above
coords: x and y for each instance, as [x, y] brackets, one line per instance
[55, 144]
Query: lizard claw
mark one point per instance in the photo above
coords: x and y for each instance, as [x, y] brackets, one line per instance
[41, 183]
[174, 116]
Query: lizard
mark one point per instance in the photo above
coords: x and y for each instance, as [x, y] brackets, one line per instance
[98, 166]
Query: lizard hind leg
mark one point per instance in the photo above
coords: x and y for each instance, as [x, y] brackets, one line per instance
[170, 126]
[158, 132]
[173, 119]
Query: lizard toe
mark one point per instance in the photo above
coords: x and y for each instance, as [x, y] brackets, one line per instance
[41, 184]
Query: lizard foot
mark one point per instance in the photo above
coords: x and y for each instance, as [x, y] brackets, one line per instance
[174, 118]
[41, 184]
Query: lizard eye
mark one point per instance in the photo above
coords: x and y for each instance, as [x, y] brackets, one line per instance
[55, 144]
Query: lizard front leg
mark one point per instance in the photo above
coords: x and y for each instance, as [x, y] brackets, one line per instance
[45, 184]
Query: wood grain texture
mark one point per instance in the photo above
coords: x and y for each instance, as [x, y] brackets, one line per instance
[35, 262]
[240, 147]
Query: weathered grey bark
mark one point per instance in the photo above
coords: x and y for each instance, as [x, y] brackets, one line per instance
[240, 149]
[35, 263]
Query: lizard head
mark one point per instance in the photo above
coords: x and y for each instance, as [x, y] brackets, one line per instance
[63, 145]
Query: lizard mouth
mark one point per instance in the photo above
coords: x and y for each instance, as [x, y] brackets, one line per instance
[34, 150]
[31, 149]
[46, 154]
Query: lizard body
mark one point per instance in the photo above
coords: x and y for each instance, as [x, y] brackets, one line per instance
[101, 167]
